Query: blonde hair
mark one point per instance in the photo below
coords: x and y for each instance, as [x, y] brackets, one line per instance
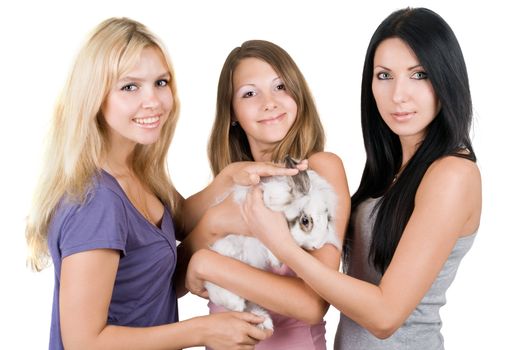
[78, 136]
[229, 144]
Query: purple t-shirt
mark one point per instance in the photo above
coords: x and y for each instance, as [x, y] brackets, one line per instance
[143, 293]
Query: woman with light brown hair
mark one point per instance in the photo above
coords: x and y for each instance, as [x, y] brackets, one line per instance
[265, 111]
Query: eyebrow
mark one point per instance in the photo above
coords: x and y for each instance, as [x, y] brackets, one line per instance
[254, 85]
[130, 78]
[409, 68]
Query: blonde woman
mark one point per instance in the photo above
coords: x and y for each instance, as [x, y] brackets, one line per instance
[264, 112]
[104, 206]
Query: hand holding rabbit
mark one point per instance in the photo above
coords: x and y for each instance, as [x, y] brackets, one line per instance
[256, 215]
[308, 203]
[250, 173]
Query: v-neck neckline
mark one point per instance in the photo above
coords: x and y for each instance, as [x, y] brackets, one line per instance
[140, 215]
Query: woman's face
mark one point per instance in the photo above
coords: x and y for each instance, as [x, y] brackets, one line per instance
[261, 104]
[139, 103]
[403, 93]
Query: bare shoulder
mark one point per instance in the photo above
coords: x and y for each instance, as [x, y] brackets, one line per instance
[325, 161]
[330, 166]
[453, 184]
[453, 171]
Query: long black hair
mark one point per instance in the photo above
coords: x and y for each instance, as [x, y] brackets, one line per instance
[438, 51]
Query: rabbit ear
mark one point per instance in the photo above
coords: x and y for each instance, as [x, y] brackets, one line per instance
[299, 182]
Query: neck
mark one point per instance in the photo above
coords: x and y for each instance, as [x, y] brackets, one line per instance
[118, 161]
[260, 155]
[409, 146]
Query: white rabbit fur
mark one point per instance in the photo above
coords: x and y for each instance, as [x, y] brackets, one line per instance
[309, 210]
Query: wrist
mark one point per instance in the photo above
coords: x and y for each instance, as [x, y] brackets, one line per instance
[285, 249]
[225, 177]
[200, 330]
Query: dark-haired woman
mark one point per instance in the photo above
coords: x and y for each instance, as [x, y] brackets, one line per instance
[418, 206]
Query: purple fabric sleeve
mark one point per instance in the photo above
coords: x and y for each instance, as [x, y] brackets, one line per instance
[100, 223]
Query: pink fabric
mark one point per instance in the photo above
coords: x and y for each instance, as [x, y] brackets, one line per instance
[289, 333]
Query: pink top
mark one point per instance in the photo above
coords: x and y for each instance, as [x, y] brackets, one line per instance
[289, 333]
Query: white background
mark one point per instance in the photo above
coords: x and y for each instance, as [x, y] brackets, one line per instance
[39, 40]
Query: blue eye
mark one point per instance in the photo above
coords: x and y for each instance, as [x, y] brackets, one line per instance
[419, 75]
[384, 76]
[162, 82]
[129, 87]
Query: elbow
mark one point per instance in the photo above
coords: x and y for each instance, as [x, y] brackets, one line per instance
[313, 318]
[315, 313]
[384, 328]
[383, 333]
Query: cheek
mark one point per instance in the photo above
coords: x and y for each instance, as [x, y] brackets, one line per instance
[118, 106]
[379, 95]
[243, 111]
[111, 110]
[292, 106]
[431, 102]
[166, 98]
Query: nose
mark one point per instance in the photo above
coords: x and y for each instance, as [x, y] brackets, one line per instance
[400, 91]
[150, 99]
[269, 102]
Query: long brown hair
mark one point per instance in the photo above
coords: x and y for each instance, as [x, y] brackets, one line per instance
[229, 144]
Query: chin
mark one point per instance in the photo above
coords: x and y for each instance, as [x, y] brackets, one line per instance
[147, 141]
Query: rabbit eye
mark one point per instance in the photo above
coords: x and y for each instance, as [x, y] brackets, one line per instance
[306, 222]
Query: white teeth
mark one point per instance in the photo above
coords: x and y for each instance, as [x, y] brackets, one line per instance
[148, 120]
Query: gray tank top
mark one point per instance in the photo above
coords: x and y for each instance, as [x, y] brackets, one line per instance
[421, 331]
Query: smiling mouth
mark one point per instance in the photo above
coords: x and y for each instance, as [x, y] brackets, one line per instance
[273, 120]
[147, 122]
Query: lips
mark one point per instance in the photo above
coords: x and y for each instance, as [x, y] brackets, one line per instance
[148, 122]
[403, 116]
[273, 120]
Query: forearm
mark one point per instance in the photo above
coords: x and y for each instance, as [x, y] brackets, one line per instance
[196, 205]
[201, 236]
[241, 173]
[363, 302]
[171, 336]
[286, 295]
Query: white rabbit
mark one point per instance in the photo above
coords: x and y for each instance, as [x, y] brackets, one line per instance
[308, 203]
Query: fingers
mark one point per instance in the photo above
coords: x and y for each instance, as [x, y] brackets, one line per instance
[259, 334]
[252, 201]
[263, 169]
[244, 178]
[256, 194]
[249, 317]
[303, 165]
[254, 332]
[251, 173]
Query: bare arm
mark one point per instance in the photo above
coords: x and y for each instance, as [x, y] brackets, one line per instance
[295, 299]
[87, 281]
[447, 206]
[242, 173]
[201, 221]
